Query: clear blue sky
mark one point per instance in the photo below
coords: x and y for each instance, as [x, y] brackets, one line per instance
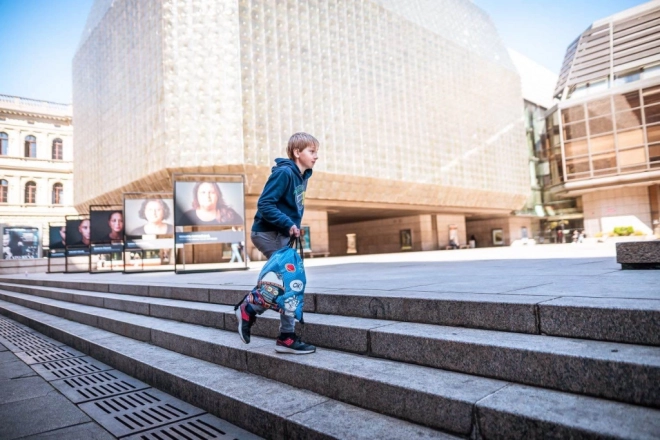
[38, 38]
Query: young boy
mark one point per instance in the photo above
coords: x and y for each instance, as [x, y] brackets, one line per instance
[279, 214]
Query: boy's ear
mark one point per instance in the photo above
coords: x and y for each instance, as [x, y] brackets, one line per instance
[296, 153]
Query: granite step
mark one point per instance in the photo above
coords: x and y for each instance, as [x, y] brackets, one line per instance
[279, 410]
[623, 372]
[259, 405]
[634, 321]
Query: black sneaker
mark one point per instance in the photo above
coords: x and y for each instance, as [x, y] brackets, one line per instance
[245, 321]
[290, 343]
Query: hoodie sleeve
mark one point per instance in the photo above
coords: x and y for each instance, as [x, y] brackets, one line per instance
[273, 192]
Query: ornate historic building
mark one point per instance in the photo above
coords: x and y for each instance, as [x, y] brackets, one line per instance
[36, 163]
[417, 106]
[603, 140]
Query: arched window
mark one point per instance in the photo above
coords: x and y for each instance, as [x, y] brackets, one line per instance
[30, 146]
[4, 189]
[30, 192]
[57, 193]
[57, 149]
[4, 144]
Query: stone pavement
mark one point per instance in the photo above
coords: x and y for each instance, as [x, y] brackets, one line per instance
[499, 302]
[41, 397]
[580, 270]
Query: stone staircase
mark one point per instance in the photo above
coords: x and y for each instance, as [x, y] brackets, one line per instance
[456, 366]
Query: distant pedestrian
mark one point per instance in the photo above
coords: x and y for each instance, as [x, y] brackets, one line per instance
[279, 215]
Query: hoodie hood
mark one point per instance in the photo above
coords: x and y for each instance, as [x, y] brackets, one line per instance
[282, 162]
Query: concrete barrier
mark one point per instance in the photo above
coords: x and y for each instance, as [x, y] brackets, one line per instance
[638, 255]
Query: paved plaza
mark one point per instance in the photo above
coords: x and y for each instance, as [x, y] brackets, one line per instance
[491, 289]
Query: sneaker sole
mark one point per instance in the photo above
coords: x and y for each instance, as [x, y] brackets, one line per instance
[280, 349]
[239, 318]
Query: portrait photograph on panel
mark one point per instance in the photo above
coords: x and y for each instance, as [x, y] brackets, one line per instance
[209, 203]
[57, 237]
[78, 233]
[149, 217]
[20, 243]
[107, 226]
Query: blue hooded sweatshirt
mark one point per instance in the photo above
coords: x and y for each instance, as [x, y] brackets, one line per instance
[282, 202]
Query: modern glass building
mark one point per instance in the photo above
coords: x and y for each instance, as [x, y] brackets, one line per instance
[416, 104]
[603, 143]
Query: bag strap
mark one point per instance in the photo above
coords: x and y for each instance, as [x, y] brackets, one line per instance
[296, 243]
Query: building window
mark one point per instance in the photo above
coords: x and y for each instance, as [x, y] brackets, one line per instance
[57, 194]
[57, 149]
[4, 144]
[30, 146]
[4, 189]
[30, 192]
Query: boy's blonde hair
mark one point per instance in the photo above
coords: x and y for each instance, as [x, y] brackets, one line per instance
[300, 141]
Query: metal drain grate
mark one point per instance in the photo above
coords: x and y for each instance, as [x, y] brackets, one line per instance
[48, 354]
[198, 428]
[21, 340]
[97, 386]
[139, 411]
[69, 368]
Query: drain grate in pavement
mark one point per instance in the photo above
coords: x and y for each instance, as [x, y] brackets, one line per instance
[81, 389]
[69, 368]
[48, 354]
[18, 339]
[139, 411]
[198, 428]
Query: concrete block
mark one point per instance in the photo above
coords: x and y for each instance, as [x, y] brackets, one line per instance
[521, 412]
[638, 254]
[129, 289]
[616, 371]
[14, 369]
[439, 399]
[227, 296]
[634, 321]
[202, 343]
[183, 293]
[128, 329]
[126, 305]
[357, 423]
[191, 313]
[498, 312]
[87, 431]
[38, 415]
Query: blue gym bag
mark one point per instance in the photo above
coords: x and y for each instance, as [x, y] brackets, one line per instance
[281, 282]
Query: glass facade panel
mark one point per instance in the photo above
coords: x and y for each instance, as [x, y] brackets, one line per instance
[635, 156]
[651, 96]
[604, 161]
[630, 138]
[600, 125]
[629, 119]
[577, 165]
[575, 131]
[576, 148]
[652, 114]
[627, 101]
[653, 134]
[654, 153]
[600, 107]
[602, 144]
[572, 114]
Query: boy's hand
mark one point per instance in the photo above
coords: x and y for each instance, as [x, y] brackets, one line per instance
[294, 231]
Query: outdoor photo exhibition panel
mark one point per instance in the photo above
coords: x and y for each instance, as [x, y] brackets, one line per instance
[149, 232]
[107, 238]
[20, 243]
[56, 247]
[209, 220]
[77, 233]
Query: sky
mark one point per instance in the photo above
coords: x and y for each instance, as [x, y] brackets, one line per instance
[38, 38]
